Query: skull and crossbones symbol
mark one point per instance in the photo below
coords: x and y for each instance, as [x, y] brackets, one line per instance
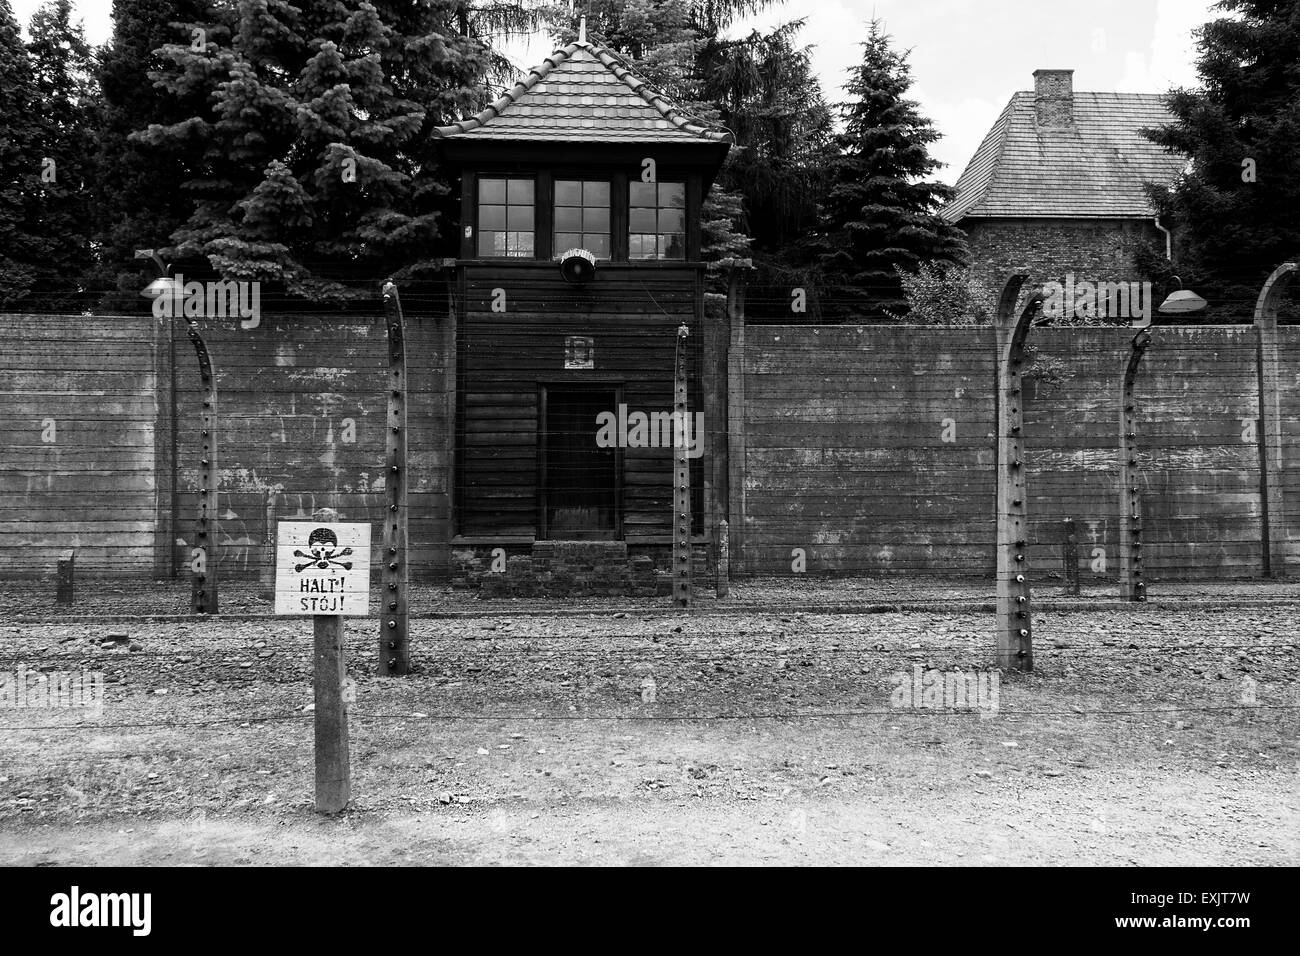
[323, 552]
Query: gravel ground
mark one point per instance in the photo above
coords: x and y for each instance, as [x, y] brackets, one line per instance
[99, 599]
[1155, 734]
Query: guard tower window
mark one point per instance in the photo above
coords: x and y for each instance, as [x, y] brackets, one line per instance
[582, 217]
[657, 221]
[505, 217]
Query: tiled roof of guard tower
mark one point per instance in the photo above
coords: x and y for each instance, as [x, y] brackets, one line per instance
[583, 93]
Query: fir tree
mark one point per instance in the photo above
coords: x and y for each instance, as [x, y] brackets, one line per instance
[1235, 212]
[879, 211]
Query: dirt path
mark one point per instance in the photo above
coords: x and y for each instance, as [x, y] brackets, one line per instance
[1042, 828]
[793, 792]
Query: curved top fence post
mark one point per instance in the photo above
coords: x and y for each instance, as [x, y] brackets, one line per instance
[1014, 620]
[1272, 454]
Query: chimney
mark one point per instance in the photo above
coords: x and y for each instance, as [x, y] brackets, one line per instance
[1054, 97]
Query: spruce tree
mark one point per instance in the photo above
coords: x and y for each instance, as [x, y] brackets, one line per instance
[313, 169]
[21, 245]
[768, 95]
[879, 211]
[138, 189]
[1235, 212]
[63, 82]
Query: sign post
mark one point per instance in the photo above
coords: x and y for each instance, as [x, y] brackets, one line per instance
[323, 569]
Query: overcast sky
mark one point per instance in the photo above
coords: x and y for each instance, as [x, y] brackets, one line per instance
[968, 56]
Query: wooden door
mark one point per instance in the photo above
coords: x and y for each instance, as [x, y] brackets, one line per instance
[579, 482]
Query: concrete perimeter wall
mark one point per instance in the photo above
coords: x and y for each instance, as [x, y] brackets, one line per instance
[870, 449]
[301, 412]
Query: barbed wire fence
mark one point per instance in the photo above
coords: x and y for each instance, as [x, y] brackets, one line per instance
[865, 482]
[838, 437]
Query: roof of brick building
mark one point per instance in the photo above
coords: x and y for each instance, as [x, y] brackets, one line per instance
[1095, 167]
[583, 93]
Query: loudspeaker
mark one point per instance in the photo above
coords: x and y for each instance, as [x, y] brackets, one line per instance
[578, 266]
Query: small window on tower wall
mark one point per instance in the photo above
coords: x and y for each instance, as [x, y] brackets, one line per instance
[505, 217]
[657, 221]
[582, 217]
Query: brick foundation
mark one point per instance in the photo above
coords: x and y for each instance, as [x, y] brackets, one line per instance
[559, 569]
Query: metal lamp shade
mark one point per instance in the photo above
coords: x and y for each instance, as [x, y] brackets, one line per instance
[1184, 300]
[160, 286]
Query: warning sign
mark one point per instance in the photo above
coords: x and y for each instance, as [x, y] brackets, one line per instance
[322, 568]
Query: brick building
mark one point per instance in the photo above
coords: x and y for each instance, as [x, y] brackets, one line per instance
[1057, 185]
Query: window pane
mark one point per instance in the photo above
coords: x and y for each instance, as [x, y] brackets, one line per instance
[520, 218]
[491, 190]
[568, 193]
[672, 194]
[597, 245]
[520, 191]
[642, 194]
[564, 241]
[568, 219]
[595, 220]
[595, 194]
[491, 217]
[488, 244]
[641, 247]
[641, 220]
[672, 220]
[672, 247]
[521, 244]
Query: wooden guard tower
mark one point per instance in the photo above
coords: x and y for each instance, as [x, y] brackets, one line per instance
[581, 193]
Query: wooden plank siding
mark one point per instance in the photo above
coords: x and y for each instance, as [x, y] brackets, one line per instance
[506, 357]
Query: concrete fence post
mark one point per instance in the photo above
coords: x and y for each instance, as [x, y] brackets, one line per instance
[1014, 617]
[394, 637]
[1272, 452]
[1132, 585]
